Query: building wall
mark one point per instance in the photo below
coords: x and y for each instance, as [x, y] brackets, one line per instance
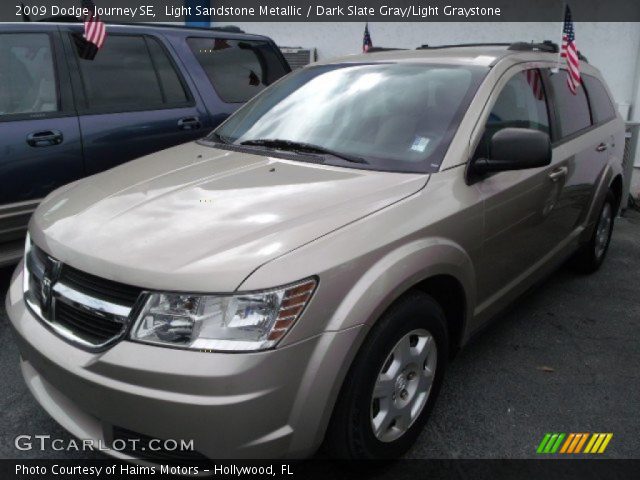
[612, 47]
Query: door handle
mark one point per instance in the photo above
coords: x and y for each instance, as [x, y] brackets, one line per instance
[558, 173]
[189, 123]
[602, 147]
[45, 138]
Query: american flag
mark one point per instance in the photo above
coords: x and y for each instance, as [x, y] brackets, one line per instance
[535, 82]
[570, 52]
[95, 30]
[366, 41]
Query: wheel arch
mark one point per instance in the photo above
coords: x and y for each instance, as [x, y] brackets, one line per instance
[616, 186]
[436, 266]
[450, 294]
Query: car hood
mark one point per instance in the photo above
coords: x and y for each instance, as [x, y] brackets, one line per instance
[195, 218]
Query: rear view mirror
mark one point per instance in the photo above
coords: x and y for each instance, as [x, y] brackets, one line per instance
[515, 149]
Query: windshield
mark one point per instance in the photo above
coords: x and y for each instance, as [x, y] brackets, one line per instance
[392, 117]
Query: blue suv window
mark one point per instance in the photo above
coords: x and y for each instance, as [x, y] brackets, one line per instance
[131, 73]
[237, 69]
[27, 75]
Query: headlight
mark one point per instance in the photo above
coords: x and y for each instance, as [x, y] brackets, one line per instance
[241, 322]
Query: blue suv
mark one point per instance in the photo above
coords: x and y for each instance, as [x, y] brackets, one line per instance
[150, 87]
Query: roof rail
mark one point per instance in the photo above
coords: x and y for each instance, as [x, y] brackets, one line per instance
[545, 46]
[461, 45]
[72, 19]
[383, 49]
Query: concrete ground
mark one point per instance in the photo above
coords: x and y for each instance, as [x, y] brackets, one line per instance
[565, 359]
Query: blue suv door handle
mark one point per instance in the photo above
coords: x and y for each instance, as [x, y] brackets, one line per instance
[45, 138]
[189, 123]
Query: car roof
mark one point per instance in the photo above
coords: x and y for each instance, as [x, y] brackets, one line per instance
[480, 55]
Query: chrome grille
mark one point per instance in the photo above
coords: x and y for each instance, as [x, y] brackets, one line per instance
[86, 325]
[86, 310]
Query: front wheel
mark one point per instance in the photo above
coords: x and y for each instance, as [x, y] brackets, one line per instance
[393, 382]
[591, 255]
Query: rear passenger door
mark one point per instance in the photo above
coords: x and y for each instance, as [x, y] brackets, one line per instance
[40, 146]
[132, 100]
[580, 154]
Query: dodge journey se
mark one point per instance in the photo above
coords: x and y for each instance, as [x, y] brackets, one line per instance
[301, 277]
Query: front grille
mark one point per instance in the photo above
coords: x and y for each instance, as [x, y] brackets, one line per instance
[84, 309]
[97, 287]
[154, 452]
[90, 327]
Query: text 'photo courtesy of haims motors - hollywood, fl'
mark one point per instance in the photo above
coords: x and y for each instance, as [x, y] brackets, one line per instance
[320, 239]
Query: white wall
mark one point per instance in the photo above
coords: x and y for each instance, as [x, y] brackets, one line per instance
[612, 47]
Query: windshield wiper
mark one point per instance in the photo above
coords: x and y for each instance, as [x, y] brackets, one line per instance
[281, 144]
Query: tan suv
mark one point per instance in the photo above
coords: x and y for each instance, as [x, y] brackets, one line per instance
[306, 272]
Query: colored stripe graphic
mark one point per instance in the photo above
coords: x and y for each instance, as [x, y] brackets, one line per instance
[556, 446]
[607, 439]
[598, 443]
[543, 443]
[567, 443]
[572, 443]
[591, 443]
[551, 443]
[581, 443]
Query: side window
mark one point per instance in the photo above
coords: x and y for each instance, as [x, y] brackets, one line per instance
[237, 69]
[572, 110]
[172, 87]
[520, 104]
[601, 107]
[131, 73]
[27, 74]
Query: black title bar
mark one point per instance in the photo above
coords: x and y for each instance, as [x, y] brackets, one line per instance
[229, 11]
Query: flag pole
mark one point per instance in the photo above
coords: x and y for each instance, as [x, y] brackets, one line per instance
[556, 69]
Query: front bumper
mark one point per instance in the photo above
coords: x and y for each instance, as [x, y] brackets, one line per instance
[272, 404]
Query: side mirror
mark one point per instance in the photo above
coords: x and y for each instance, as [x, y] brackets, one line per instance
[515, 149]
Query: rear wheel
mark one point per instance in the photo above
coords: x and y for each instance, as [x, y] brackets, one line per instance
[393, 382]
[591, 255]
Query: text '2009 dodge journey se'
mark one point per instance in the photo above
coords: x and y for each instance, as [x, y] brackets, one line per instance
[305, 273]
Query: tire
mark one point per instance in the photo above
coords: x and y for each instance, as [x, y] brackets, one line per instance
[417, 319]
[591, 255]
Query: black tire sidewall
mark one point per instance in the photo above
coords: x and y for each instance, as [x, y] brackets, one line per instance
[609, 199]
[415, 310]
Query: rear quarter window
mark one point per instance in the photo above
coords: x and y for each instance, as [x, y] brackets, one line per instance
[237, 69]
[601, 107]
[572, 110]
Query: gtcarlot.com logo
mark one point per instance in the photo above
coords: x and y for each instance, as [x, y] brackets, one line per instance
[569, 443]
[45, 442]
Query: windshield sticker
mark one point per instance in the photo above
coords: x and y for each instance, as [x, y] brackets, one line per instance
[420, 144]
